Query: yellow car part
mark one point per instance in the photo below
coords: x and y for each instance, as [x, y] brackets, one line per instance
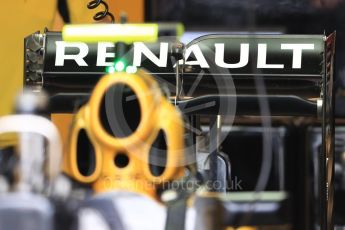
[122, 161]
[127, 33]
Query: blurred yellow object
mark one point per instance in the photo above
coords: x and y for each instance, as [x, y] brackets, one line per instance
[127, 33]
[242, 228]
[133, 171]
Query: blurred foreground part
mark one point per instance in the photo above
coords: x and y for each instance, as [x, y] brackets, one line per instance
[26, 203]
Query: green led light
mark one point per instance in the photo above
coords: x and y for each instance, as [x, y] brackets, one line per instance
[131, 69]
[110, 69]
[120, 66]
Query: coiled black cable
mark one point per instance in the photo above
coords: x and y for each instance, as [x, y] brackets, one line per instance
[101, 14]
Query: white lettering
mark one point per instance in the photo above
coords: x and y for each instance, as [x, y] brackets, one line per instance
[297, 53]
[103, 55]
[140, 48]
[78, 58]
[200, 59]
[244, 56]
[262, 55]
